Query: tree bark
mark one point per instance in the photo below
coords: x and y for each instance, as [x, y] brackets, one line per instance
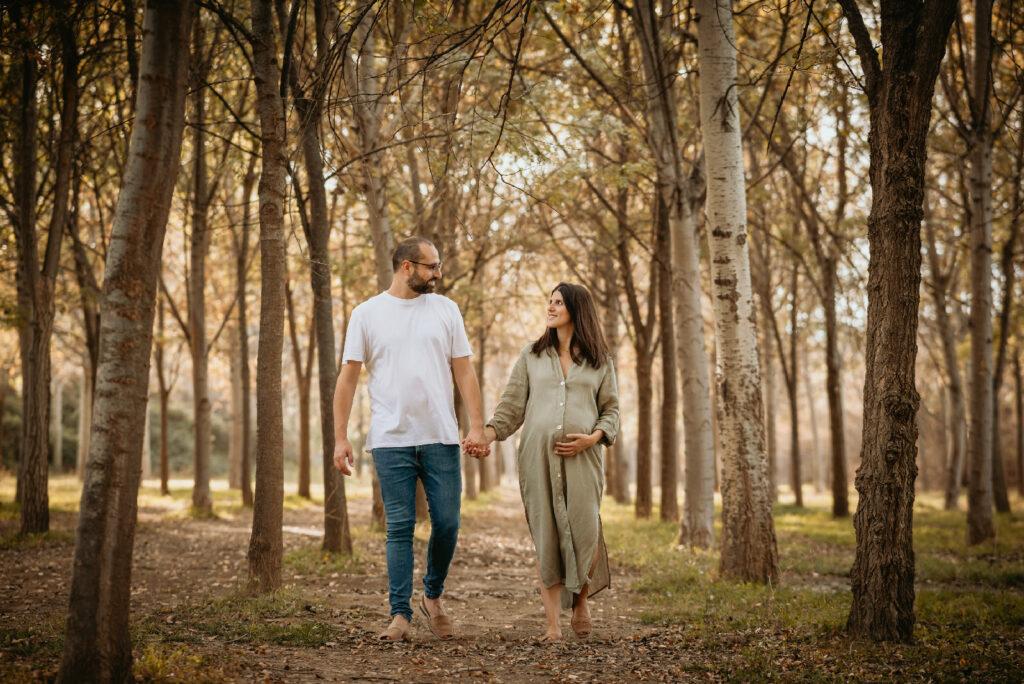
[749, 550]
[958, 421]
[235, 443]
[97, 643]
[35, 285]
[900, 100]
[85, 399]
[795, 471]
[199, 247]
[164, 393]
[669, 387]
[834, 390]
[337, 532]
[266, 544]
[241, 269]
[980, 526]
[1019, 406]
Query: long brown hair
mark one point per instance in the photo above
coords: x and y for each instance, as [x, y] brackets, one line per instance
[588, 343]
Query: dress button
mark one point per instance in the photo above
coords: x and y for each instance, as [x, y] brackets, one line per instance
[558, 427]
[562, 383]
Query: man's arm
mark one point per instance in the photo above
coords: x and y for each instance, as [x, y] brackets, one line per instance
[469, 388]
[344, 392]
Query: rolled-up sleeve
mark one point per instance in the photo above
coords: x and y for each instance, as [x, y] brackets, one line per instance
[511, 410]
[608, 406]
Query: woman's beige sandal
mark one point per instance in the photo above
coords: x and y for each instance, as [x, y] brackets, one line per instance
[394, 632]
[581, 625]
[440, 626]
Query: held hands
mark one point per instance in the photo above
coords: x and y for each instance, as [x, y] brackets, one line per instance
[477, 442]
[574, 444]
[343, 458]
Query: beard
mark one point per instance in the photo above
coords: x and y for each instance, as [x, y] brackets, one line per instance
[421, 286]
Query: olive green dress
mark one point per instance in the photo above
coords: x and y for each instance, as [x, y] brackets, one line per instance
[561, 495]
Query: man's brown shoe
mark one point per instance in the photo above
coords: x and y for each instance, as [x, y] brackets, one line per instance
[395, 632]
[440, 625]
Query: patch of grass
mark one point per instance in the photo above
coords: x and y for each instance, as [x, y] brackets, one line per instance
[970, 603]
[159, 663]
[285, 618]
[33, 541]
[29, 643]
[312, 560]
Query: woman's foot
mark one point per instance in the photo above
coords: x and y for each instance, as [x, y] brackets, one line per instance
[580, 622]
[550, 637]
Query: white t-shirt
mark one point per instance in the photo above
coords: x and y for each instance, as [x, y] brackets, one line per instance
[407, 345]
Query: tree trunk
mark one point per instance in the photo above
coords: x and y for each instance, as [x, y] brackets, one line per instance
[795, 473]
[85, 399]
[1006, 266]
[337, 532]
[266, 544]
[669, 387]
[303, 385]
[97, 642]
[615, 483]
[164, 393]
[980, 526]
[1019, 406]
[834, 390]
[57, 426]
[899, 97]
[481, 372]
[35, 286]
[749, 550]
[644, 390]
[241, 264]
[697, 525]
[812, 414]
[958, 420]
[199, 244]
[235, 443]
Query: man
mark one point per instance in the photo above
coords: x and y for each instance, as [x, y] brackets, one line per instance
[412, 342]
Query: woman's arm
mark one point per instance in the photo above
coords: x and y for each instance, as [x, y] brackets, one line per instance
[608, 407]
[511, 410]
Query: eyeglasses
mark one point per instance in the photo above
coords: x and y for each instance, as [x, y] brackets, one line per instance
[433, 267]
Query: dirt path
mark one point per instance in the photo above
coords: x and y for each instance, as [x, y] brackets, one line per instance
[182, 566]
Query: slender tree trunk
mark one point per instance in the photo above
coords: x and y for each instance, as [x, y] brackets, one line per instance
[900, 101]
[199, 247]
[1019, 406]
[834, 390]
[481, 373]
[645, 389]
[85, 399]
[235, 444]
[266, 543]
[958, 421]
[35, 286]
[615, 483]
[980, 526]
[164, 393]
[97, 642]
[669, 386]
[57, 425]
[812, 414]
[1006, 266]
[337, 533]
[749, 550]
[241, 264]
[303, 385]
[795, 473]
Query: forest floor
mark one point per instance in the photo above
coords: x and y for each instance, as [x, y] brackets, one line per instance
[666, 617]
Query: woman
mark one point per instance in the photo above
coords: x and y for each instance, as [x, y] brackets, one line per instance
[562, 392]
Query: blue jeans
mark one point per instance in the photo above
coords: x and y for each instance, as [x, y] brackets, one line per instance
[438, 465]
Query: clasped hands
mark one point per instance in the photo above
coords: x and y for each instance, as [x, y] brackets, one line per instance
[478, 442]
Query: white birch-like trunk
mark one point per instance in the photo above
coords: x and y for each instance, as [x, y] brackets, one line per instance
[84, 415]
[56, 428]
[97, 643]
[980, 500]
[749, 550]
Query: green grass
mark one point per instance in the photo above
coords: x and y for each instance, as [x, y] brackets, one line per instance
[970, 600]
[284, 618]
[312, 561]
